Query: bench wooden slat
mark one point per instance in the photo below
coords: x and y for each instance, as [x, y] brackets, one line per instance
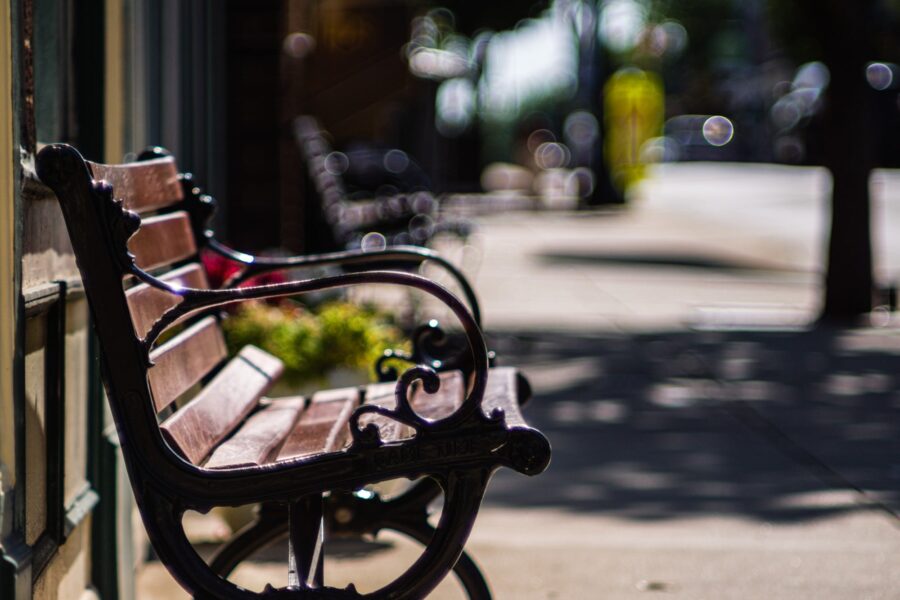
[148, 303]
[430, 406]
[502, 393]
[388, 429]
[184, 360]
[163, 240]
[445, 401]
[213, 414]
[323, 426]
[144, 186]
[260, 437]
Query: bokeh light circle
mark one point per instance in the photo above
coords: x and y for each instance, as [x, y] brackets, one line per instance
[372, 242]
[336, 163]
[718, 130]
[396, 161]
[879, 75]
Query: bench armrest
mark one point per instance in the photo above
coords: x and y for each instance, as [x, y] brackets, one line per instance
[194, 300]
[201, 208]
[380, 259]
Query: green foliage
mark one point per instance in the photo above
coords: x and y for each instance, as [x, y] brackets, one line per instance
[313, 342]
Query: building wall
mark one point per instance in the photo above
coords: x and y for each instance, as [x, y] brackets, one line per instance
[7, 272]
[47, 498]
[347, 69]
[110, 77]
[356, 80]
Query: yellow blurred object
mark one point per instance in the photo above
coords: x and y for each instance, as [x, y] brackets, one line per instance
[633, 106]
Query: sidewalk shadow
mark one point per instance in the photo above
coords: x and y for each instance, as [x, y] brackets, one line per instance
[775, 426]
[667, 259]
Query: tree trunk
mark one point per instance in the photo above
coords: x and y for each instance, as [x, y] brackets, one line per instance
[847, 32]
[848, 280]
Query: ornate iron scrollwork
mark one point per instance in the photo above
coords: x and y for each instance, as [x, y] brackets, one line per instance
[387, 372]
[202, 207]
[368, 436]
[120, 222]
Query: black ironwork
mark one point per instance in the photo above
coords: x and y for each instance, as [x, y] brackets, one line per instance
[429, 347]
[459, 452]
[355, 514]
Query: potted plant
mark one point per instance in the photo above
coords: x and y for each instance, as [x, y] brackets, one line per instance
[334, 344]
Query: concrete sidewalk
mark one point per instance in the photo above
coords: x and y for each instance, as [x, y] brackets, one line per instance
[706, 444]
[695, 240]
[703, 464]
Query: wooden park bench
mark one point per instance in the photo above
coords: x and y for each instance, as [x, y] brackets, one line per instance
[197, 431]
[403, 218]
[345, 514]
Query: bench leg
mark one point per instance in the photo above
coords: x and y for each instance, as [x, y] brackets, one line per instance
[270, 525]
[463, 492]
[466, 570]
[305, 540]
[406, 515]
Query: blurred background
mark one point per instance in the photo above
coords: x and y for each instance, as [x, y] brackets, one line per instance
[563, 105]
[683, 227]
[682, 220]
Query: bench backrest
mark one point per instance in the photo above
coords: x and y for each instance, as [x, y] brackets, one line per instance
[330, 218]
[316, 150]
[195, 351]
[407, 214]
[393, 216]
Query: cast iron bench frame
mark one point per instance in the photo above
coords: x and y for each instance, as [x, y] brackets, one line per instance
[346, 514]
[458, 452]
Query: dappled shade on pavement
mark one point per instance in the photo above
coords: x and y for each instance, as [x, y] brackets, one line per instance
[774, 426]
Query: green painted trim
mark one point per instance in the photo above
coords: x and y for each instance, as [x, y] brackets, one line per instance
[54, 534]
[104, 454]
[15, 569]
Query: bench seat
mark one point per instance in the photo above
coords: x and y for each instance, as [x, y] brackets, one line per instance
[266, 430]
